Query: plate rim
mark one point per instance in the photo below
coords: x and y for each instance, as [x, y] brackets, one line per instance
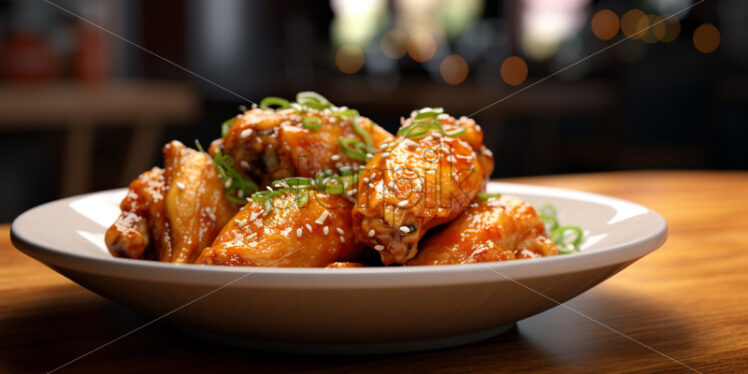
[60, 258]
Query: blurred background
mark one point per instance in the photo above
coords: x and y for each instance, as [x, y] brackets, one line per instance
[84, 109]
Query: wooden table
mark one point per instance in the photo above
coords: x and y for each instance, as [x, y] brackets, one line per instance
[688, 300]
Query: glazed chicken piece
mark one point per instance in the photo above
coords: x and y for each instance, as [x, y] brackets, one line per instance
[172, 214]
[416, 183]
[269, 144]
[294, 233]
[498, 229]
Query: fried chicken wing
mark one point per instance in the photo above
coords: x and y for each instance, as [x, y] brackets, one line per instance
[497, 229]
[172, 214]
[142, 223]
[418, 182]
[272, 144]
[294, 233]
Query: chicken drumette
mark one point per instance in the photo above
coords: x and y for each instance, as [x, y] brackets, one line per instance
[172, 214]
[269, 144]
[425, 177]
[497, 229]
[302, 228]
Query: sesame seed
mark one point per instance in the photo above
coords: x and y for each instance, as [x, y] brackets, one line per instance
[181, 185]
[335, 157]
[379, 247]
[325, 230]
[352, 192]
[477, 128]
[418, 188]
[405, 229]
[391, 185]
[322, 217]
[240, 222]
[403, 203]
[299, 231]
[309, 227]
[228, 183]
[245, 133]
[240, 193]
[369, 155]
[244, 164]
[342, 239]
[371, 233]
[365, 179]
[210, 215]
[339, 230]
[385, 154]
[269, 188]
[451, 159]
[474, 205]
[436, 134]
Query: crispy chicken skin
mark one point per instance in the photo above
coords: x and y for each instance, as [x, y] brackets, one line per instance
[272, 144]
[142, 223]
[498, 229]
[172, 214]
[417, 184]
[313, 234]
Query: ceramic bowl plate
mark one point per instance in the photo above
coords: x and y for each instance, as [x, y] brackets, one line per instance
[363, 310]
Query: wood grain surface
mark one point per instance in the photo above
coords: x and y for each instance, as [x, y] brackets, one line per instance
[685, 305]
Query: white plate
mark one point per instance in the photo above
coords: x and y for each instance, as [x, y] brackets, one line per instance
[359, 310]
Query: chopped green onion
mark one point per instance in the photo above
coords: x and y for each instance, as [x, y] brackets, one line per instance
[560, 237]
[305, 97]
[353, 148]
[243, 108]
[269, 101]
[224, 164]
[455, 133]
[429, 112]
[558, 233]
[312, 123]
[226, 126]
[347, 113]
[362, 134]
[488, 195]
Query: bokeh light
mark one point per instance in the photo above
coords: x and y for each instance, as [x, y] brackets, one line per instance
[349, 58]
[630, 23]
[672, 28]
[706, 38]
[514, 70]
[421, 46]
[453, 69]
[651, 28]
[394, 44]
[605, 24]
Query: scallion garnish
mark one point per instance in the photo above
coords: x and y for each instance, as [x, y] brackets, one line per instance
[429, 112]
[224, 164]
[270, 101]
[424, 121]
[354, 149]
[312, 123]
[226, 125]
[328, 183]
[488, 195]
[560, 234]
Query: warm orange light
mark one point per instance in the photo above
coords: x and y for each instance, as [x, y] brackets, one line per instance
[605, 24]
[454, 69]
[672, 28]
[394, 44]
[651, 28]
[349, 58]
[630, 22]
[421, 46]
[706, 38]
[514, 71]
